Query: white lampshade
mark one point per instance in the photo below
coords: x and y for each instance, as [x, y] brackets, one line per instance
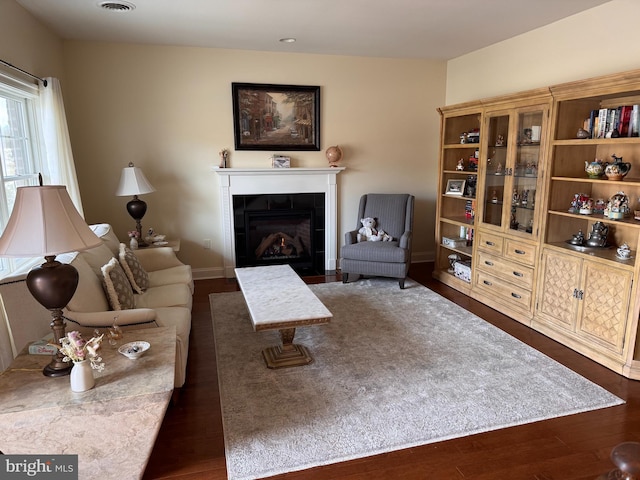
[45, 222]
[133, 182]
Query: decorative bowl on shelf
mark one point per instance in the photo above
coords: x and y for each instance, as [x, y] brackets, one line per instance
[134, 350]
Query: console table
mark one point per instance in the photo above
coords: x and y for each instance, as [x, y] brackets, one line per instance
[112, 427]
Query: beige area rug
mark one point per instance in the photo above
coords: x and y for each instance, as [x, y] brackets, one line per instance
[394, 369]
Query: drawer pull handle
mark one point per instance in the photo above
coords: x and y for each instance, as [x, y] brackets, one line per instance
[491, 244]
[575, 293]
[520, 252]
[515, 295]
[518, 274]
[487, 262]
[487, 282]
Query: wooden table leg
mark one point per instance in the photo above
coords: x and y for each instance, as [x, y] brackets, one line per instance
[288, 354]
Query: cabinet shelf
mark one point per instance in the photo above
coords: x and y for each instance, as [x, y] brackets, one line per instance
[460, 221]
[458, 197]
[468, 146]
[466, 251]
[594, 217]
[607, 254]
[598, 141]
[461, 172]
[631, 182]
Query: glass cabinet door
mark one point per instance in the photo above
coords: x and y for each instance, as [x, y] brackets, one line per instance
[495, 171]
[525, 171]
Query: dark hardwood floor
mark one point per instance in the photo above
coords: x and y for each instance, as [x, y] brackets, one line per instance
[577, 447]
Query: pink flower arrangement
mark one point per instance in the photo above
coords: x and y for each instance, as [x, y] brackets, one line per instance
[76, 349]
[133, 234]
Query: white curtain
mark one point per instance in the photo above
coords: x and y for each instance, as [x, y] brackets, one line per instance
[58, 168]
[58, 165]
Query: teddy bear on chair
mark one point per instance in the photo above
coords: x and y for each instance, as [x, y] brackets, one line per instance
[369, 233]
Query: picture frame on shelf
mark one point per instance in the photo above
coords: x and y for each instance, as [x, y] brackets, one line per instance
[455, 187]
[276, 117]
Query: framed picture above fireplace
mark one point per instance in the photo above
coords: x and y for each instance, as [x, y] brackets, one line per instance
[276, 117]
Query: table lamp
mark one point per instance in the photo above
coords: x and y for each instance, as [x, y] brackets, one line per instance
[44, 222]
[133, 182]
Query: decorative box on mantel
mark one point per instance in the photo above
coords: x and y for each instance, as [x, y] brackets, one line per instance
[259, 181]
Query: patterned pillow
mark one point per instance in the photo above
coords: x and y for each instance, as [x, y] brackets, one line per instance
[119, 292]
[137, 275]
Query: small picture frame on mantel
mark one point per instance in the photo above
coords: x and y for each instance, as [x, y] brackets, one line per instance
[279, 161]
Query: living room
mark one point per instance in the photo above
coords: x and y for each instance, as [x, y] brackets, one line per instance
[168, 110]
[117, 97]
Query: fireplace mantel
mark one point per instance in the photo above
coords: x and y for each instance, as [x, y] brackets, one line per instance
[258, 181]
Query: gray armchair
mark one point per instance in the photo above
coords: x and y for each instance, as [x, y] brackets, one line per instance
[394, 215]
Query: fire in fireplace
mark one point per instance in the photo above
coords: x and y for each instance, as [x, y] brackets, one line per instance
[274, 236]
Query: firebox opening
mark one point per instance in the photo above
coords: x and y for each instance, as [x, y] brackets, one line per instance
[276, 237]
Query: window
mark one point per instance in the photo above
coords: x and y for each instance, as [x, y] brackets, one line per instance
[19, 153]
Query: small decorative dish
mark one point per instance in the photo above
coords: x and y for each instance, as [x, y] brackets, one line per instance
[134, 350]
[160, 243]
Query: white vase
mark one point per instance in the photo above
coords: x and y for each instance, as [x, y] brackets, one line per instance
[82, 376]
[133, 244]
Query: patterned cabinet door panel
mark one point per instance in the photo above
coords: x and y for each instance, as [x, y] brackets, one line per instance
[557, 303]
[605, 305]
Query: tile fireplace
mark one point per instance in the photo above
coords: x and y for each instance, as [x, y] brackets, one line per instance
[279, 215]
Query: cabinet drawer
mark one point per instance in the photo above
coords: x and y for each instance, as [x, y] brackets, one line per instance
[504, 291]
[519, 275]
[520, 252]
[490, 242]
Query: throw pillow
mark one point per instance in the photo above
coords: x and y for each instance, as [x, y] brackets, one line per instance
[117, 286]
[137, 275]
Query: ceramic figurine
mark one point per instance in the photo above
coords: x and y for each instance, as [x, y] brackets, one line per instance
[460, 165]
[582, 133]
[623, 251]
[618, 169]
[594, 169]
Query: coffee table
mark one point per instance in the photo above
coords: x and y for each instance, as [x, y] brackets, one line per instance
[278, 299]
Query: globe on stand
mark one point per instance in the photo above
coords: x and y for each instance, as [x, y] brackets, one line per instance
[334, 155]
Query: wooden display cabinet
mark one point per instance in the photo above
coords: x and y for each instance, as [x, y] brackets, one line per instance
[512, 160]
[587, 297]
[456, 210]
[523, 262]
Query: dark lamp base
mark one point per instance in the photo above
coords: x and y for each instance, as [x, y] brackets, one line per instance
[53, 285]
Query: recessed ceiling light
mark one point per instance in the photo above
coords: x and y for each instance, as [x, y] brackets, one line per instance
[117, 6]
[288, 40]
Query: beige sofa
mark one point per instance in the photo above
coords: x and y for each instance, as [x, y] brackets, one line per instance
[165, 301]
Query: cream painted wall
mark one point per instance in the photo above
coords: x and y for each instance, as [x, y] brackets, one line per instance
[168, 110]
[596, 42]
[27, 44]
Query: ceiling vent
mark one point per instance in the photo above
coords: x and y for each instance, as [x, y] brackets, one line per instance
[117, 6]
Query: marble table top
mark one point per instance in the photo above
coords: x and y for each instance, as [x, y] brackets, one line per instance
[112, 427]
[278, 298]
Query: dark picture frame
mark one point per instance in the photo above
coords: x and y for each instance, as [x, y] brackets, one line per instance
[276, 117]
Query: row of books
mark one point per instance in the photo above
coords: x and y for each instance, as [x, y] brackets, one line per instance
[470, 209]
[623, 121]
